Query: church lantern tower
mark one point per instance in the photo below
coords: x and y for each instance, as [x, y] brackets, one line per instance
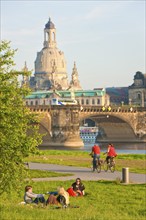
[50, 35]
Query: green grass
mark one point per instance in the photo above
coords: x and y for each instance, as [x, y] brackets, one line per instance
[44, 173]
[136, 163]
[104, 200]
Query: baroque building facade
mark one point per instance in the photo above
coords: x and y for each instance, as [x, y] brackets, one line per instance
[137, 91]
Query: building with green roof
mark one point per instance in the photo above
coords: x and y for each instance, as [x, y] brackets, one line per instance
[96, 97]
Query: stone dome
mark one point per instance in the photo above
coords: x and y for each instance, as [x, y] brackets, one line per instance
[50, 25]
[47, 57]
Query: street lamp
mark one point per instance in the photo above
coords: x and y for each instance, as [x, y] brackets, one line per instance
[130, 101]
[122, 103]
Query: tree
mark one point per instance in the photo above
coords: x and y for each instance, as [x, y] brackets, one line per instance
[16, 143]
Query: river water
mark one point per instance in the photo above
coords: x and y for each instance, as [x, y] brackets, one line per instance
[121, 148]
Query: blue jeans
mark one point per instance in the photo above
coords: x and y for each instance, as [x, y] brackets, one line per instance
[95, 158]
[40, 199]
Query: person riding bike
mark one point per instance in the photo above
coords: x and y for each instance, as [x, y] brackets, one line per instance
[111, 153]
[96, 155]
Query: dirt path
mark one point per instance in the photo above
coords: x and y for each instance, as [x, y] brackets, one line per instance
[83, 173]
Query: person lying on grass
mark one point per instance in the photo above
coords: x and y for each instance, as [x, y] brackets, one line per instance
[62, 198]
[30, 197]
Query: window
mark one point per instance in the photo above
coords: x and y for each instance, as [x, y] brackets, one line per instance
[139, 96]
[26, 102]
[36, 102]
[44, 102]
[31, 103]
[93, 102]
[53, 36]
[98, 101]
[82, 101]
[87, 101]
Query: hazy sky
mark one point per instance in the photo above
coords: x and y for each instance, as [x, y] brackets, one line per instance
[105, 38]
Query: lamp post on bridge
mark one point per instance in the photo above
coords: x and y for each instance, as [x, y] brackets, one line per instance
[130, 102]
[122, 103]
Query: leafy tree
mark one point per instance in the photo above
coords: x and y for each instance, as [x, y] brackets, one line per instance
[18, 126]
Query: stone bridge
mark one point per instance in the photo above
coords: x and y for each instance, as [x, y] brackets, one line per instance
[61, 123]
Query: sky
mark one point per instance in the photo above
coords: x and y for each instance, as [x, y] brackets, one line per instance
[106, 39]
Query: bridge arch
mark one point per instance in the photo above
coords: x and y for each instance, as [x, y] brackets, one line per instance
[111, 125]
[45, 127]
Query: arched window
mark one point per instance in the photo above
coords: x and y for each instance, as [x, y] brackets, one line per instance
[93, 101]
[87, 101]
[36, 102]
[31, 103]
[53, 36]
[44, 102]
[138, 96]
[26, 102]
[82, 101]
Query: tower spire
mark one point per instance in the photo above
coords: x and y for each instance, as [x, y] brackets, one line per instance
[25, 80]
[75, 83]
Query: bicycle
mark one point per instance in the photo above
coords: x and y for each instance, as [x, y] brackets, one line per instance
[110, 165]
[98, 166]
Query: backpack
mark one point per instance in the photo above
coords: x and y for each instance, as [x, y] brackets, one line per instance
[62, 200]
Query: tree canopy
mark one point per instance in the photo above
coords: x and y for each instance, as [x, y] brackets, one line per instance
[18, 126]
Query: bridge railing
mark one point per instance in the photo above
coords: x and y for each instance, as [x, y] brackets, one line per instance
[87, 108]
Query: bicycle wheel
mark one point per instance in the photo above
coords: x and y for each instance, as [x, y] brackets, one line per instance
[112, 167]
[105, 166]
[98, 168]
[91, 166]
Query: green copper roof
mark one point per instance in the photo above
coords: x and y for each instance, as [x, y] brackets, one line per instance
[66, 94]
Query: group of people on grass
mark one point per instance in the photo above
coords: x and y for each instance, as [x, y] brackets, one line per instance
[96, 154]
[59, 197]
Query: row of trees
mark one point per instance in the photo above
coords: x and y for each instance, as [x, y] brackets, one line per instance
[18, 127]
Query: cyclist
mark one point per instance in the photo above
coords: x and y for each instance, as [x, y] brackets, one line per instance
[110, 152]
[96, 155]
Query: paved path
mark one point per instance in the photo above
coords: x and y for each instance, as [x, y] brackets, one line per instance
[83, 173]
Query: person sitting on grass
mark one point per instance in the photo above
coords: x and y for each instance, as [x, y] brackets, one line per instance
[77, 188]
[30, 197]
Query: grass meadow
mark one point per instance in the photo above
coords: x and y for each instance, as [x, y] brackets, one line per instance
[104, 200]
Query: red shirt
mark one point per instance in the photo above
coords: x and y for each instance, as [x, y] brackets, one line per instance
[96, 149]
[111, 152]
